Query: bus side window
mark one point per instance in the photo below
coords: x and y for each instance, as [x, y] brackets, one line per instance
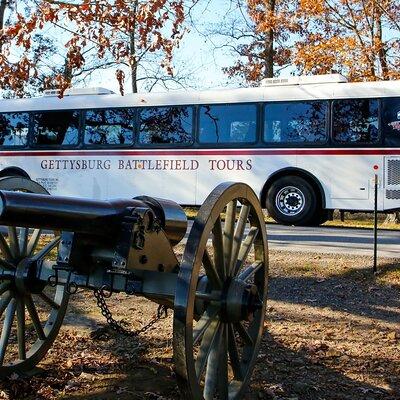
[235, 123]
[296, 122]
[109, 127]
[56, 128]
[14, 129]
[355, 121]
[391, 121]
[163, 125]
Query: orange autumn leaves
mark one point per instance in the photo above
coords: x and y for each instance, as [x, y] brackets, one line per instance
[359, 38]
[356, 37]
[121, 31]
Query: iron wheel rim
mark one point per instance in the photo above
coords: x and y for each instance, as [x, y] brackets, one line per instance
[189, 373]
[17, 305]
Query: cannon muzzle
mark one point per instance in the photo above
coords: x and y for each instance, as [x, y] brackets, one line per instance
[94, 217]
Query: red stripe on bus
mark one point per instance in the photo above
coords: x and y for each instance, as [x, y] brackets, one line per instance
[202, 152]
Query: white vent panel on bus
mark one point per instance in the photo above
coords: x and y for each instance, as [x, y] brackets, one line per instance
[393, 194]
[392, 183]
[393, 172]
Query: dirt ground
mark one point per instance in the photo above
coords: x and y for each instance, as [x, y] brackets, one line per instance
[332, 332]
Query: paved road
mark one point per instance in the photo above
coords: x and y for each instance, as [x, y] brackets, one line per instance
[332, 240]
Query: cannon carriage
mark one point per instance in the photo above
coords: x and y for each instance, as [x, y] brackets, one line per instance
[51, 246]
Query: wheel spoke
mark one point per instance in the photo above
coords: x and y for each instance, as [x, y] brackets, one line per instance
[218, 247]
[223, 365]
[7, 265]
[244, 334]
[4, 287]
[4, 248]
[204, 322]
[234, 354]
[211, 378]
[49, 301]
[13, 238]
[35, 318]
[245, 248]
[249, 272]
[23, 241]
[211, 271]
[21, 329]
[4, 302]
[229, 228]
[238, 236]
[7, 325]
[205, 347]
[46, 249]
[33, 241]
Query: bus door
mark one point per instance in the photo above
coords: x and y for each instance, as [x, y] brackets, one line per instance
[355, 131]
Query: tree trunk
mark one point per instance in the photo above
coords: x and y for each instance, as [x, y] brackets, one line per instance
[268, 54]
[3, 6]
[132, 49]
[382, 50]
[134, 64]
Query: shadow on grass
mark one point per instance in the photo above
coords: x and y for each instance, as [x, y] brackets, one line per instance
[296, 374]
[117, 367]
[287, 373]
[355, 291]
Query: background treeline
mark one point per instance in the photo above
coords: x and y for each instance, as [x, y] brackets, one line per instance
[56, 43]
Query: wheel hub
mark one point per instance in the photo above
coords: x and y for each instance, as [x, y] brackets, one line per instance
[290, 200]
[241, 301]
[25, 277]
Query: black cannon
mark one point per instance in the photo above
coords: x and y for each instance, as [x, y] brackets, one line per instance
[217, 289]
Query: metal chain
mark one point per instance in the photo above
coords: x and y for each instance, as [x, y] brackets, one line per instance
[162, 312]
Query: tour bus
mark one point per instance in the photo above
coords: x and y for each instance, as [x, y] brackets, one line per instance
[306, 145]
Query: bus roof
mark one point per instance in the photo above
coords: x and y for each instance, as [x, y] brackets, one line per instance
[337, 90]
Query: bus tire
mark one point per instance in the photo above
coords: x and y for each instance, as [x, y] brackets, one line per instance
[291, 200]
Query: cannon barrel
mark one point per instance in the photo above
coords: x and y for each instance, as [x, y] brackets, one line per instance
[95, 217]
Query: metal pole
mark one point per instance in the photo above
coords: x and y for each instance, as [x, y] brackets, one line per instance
[374, 269]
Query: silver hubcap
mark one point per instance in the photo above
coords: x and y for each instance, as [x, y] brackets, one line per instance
[290, 201]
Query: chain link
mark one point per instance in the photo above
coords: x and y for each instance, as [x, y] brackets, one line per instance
[162, 312]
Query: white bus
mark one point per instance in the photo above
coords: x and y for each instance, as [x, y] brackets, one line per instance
[307, 145]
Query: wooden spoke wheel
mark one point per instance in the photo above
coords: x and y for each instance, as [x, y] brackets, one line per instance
[31, 311]
[221, 295]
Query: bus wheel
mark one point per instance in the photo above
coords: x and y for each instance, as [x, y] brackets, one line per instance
[291, 201]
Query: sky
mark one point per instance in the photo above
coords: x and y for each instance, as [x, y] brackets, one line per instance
[196, 52]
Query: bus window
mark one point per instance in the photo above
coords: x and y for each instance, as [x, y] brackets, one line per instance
[355, 121]
[160, 125]
[296, 122]
[14, 129]
[234, 123]
[112, 127]
[56, 128]
[391, 121]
